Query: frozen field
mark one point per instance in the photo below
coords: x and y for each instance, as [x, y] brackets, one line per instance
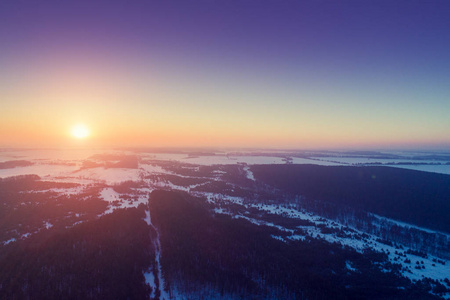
[67, 163]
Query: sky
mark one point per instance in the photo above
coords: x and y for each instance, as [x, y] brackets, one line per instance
[262, 74]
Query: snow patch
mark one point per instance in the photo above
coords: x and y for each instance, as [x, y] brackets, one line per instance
[9, 241]
[150, 281]
[153, 169]
[147, 218]
[249, 174]
[279, 238]
[109, 195]
[349, 266]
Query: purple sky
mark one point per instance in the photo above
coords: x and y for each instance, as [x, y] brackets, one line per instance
[385, 63]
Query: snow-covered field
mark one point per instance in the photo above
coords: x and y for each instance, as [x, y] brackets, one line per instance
[40, 169]
[442, 169]
[63, 162]
[372, 160]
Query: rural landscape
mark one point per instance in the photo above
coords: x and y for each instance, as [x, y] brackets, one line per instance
[186, 225]
[224, 149]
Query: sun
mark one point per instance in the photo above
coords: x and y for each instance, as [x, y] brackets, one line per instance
[80, 131]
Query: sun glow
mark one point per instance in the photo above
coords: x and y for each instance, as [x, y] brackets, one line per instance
[80, 131]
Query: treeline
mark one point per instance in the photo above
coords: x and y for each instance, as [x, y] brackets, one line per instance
[434, 243]
[15, 163]
[28, 183]
[205, 255]
[410, 196]
[101, 259]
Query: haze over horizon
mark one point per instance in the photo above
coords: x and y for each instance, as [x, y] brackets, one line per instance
[298, 75]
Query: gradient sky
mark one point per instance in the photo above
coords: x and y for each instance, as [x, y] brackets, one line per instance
[278, 74]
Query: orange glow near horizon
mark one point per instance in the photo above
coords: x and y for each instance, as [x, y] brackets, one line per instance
[131, 107]
[119, 133]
